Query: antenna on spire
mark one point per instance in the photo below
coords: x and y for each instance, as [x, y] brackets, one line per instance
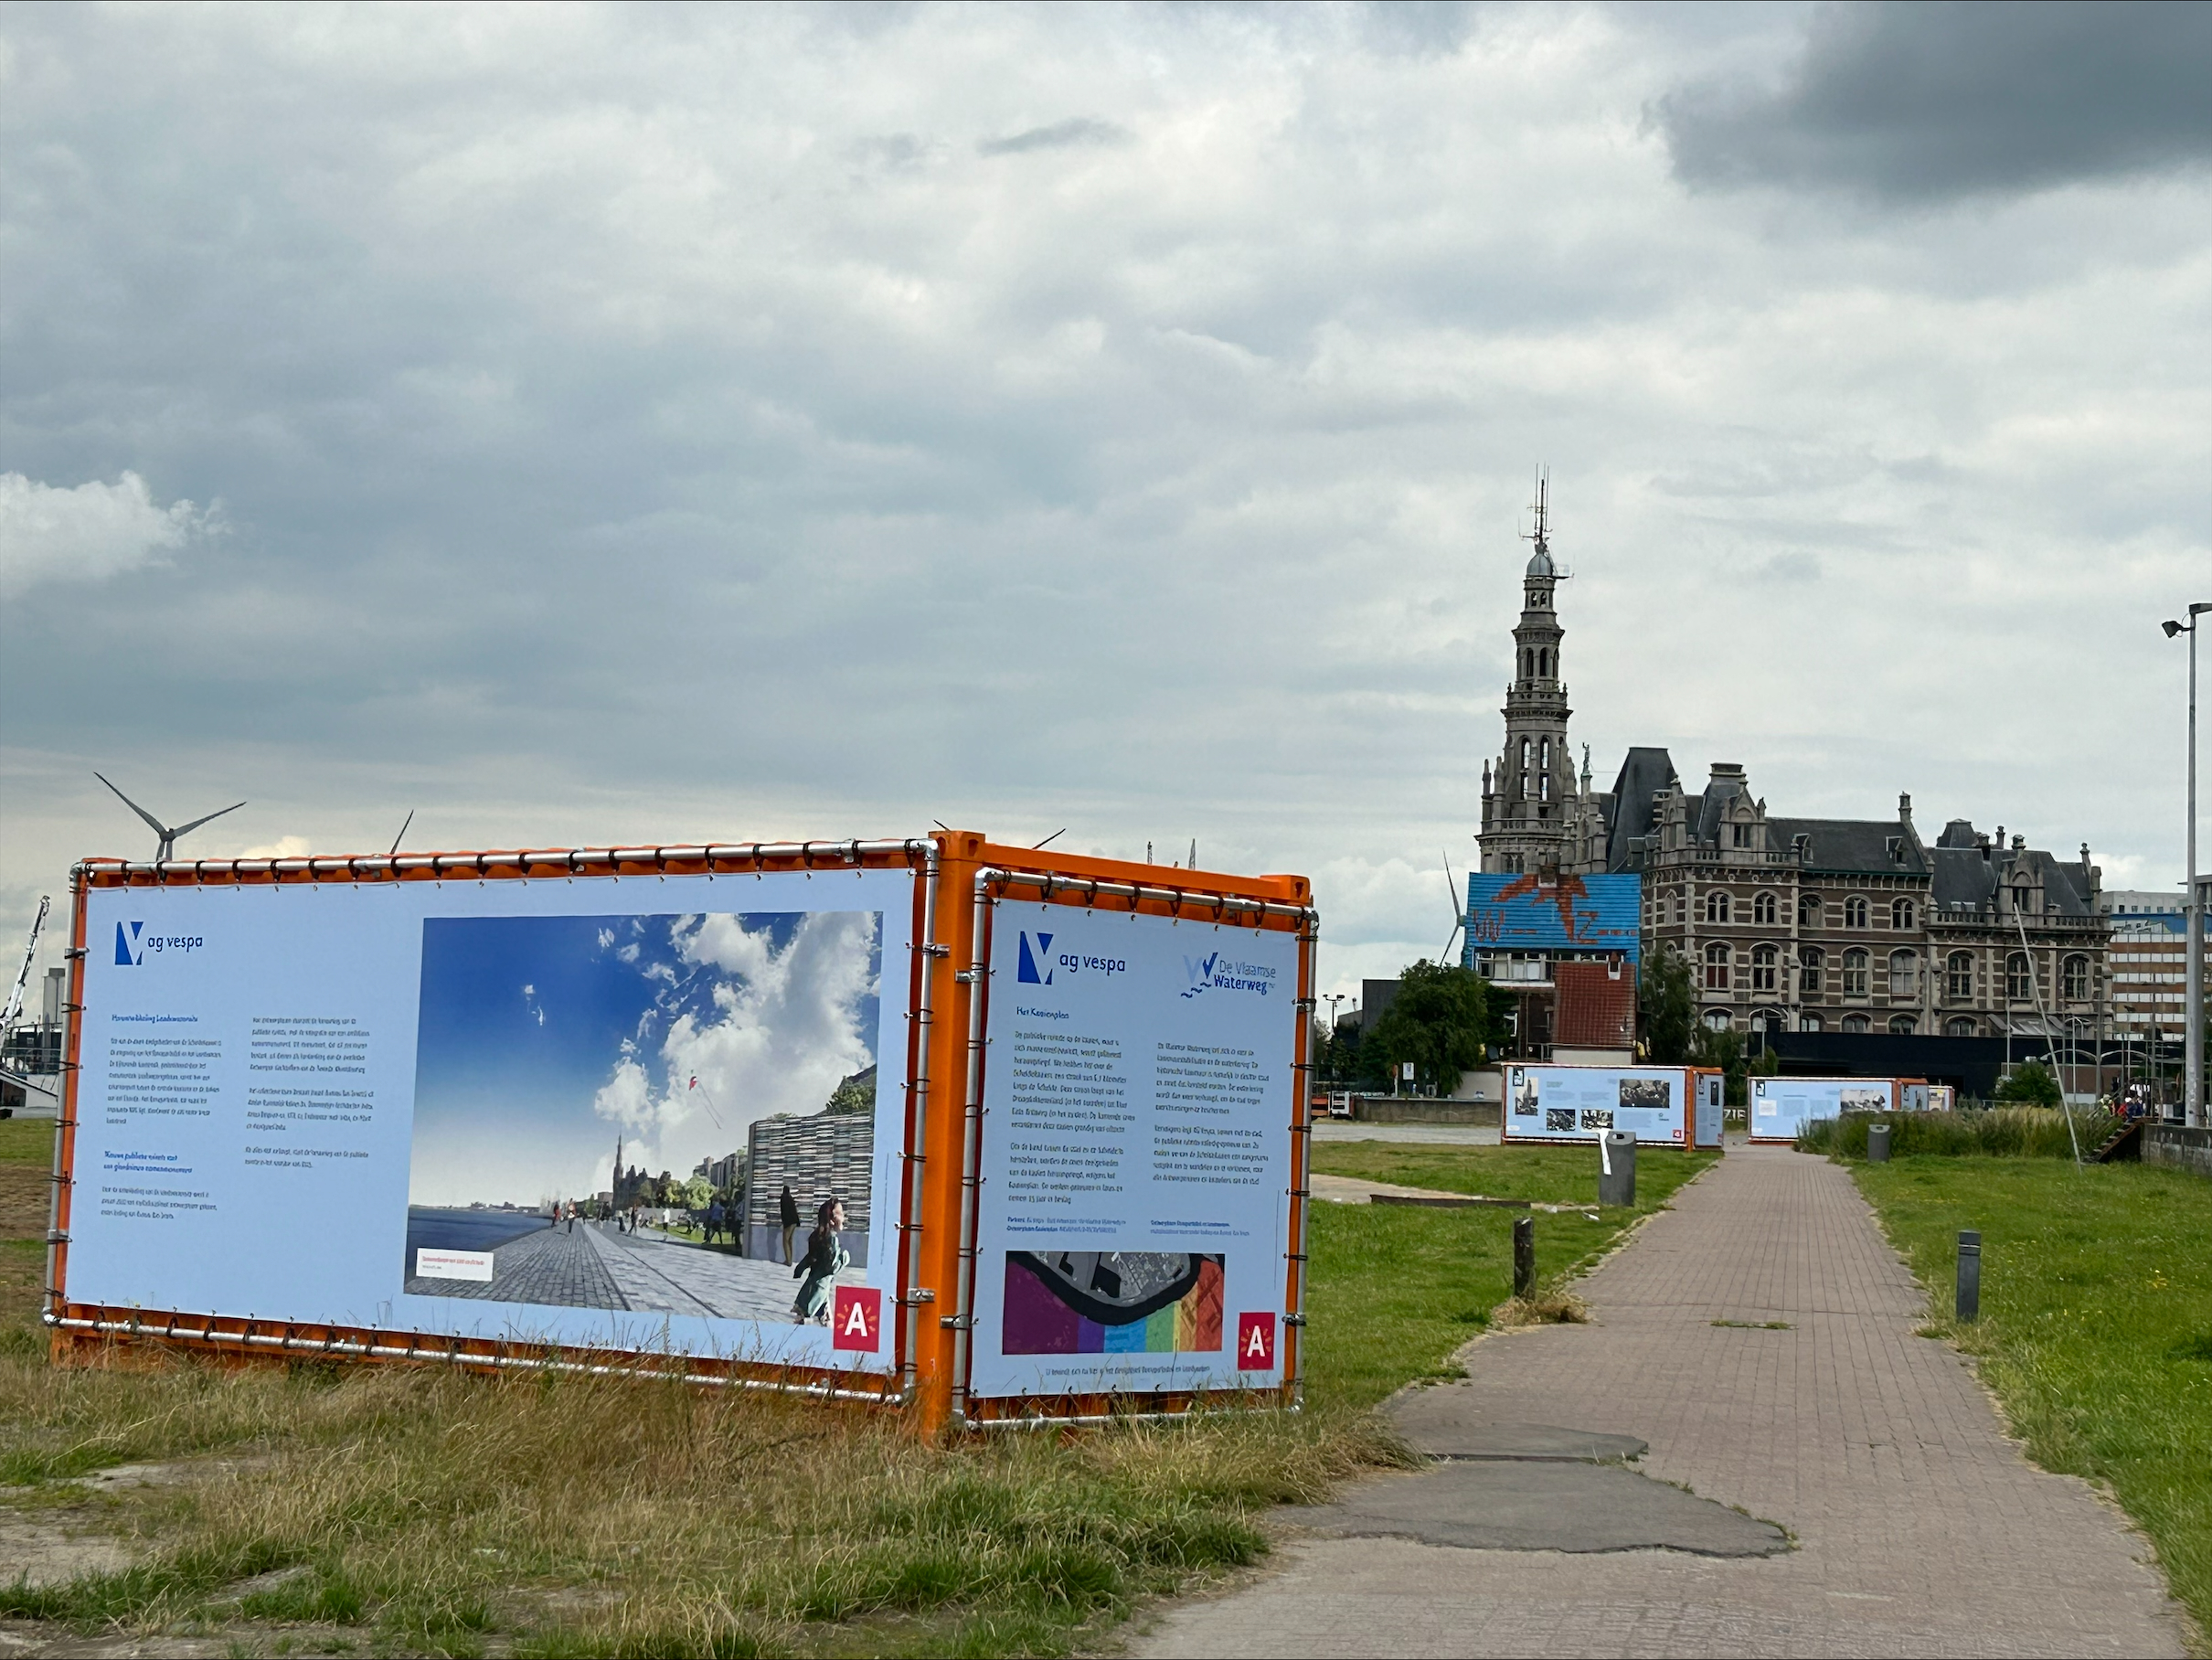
[1541, 563]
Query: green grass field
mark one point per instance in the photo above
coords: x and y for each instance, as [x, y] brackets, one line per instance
[2096, 1332]
[1397, 1289]
[387, 1509]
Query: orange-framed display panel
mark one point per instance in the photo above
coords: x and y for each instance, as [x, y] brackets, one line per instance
[955, 873]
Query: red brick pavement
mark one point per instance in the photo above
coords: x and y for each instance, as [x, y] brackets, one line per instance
[1921, 1529]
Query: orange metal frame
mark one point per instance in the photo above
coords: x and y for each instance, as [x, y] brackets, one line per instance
[941, 991]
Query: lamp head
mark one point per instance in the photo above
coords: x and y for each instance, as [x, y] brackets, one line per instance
[2171, 627]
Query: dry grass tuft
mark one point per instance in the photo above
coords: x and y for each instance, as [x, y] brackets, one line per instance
[597, 1515]
[1545, 1308]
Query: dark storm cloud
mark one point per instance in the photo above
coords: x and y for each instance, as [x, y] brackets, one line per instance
[1060, 135]
[1926, 101]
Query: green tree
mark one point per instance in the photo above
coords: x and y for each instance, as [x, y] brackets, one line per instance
[699, 1193]
[1440, 1020]
[1724, 1051]
[1667, 1001]
[852, 1096]
[2030, 1084]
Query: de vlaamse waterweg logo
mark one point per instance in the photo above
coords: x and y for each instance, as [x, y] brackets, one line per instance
[1216, 972]
[133, 942]
[1039, 963]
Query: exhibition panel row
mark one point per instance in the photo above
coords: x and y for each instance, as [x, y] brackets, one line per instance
[983, 1133]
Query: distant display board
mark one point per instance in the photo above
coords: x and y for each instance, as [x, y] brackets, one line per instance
[471, 1109]
[1562, 1104]
[1134, 1207]
[1711, 1111]
[1780, 1107]
[1583, 913]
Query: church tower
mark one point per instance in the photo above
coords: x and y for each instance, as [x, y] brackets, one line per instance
[1527, 802]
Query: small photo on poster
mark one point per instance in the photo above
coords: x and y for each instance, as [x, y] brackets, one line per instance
[1865, 1100]
[1558, 1118]
[1644, 1092]
[1597, 1118]
[1112, 1303]
[1524, 1096]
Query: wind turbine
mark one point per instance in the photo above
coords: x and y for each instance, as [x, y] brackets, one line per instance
[167, 833]
[1459, 913]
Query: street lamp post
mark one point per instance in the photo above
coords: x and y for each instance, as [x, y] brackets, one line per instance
[2193, 912]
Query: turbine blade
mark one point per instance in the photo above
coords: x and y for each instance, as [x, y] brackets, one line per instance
[196, 823]
[159, 828]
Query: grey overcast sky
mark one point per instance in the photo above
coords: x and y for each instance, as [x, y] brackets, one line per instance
[600, 424]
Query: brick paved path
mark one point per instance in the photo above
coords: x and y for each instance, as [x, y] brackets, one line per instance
[664, 1276]
[1922, 1530]
[545, 1265]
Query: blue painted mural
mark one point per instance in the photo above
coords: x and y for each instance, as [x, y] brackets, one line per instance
[1575, 913]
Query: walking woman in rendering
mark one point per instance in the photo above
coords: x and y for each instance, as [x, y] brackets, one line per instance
[823, 1261]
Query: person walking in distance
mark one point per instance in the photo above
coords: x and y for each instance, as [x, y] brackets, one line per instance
[817, 1271]
[789, 1215]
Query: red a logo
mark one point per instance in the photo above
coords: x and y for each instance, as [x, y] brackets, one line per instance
[856, 1318]
[1256, 1343]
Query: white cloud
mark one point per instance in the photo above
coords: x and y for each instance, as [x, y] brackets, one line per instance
[786, 1028]
[50, 533]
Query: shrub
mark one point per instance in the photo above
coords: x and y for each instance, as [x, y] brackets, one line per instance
[1997, 1131]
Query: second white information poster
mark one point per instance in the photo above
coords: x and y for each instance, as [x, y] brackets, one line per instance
[1139, 1090]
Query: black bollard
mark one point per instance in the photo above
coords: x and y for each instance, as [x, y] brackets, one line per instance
[1524, 1257]
[1970, 1276]
[1877, 1144]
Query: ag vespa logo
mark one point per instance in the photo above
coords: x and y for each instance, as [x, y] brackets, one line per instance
[133, 942]
[1038, 962]
[1217, 973]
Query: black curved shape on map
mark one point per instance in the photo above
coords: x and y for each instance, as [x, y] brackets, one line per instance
[1114, 1287]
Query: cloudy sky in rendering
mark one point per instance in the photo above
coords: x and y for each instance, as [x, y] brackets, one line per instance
[612, 423]
[544, 1038]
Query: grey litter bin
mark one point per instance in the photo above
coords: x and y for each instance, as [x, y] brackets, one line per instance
[1617, 1170]
[1877, 1144]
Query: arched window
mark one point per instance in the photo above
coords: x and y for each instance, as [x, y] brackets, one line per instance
[1855, 975]
[2017, 988]
[1762, 910]
[1716, 1020]
[1809, 1022]
[1528, 665]
[1959, 975]
[1543, 662]
[1525, 751]
[1544, 774]
[2077, 979]
[1762, 968]
[1900, 913]
[1808, 910]
[1808, 974]
[1855, 913]
[1856, 1023]
[1903, 1025]
[1964, 1027]
[1682, 905]
[1717, 967]
[1904, 973]
[1716, 906]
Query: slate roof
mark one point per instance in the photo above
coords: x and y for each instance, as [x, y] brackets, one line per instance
[1850, 843]
[1646, 774]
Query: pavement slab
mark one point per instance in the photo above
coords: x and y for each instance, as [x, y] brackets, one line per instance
[1918, 1528]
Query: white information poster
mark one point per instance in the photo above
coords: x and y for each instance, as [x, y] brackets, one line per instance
[1136, 1159]
[499, 1109]
[1780, 1107]
[1555, 1104]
